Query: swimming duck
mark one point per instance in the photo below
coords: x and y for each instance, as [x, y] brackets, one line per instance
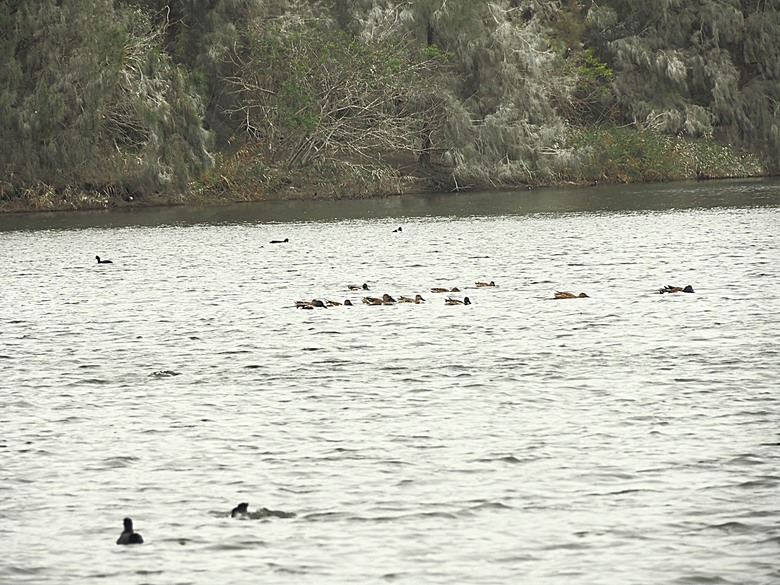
[445, 290]
[310, 304]
[333, 303]
[372, 301]
[416, 300]
[357, 287]
[481, 284]
[103, 261]
[388, 300]
[129, 536]
[465, 301]
[398, 230]
[240, 511]
[676, 289]
[348, 303]
[284, 241]
[569, 295]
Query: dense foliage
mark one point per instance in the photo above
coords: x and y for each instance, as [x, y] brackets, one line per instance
[89, 98]
[705, 68]
[137, 97]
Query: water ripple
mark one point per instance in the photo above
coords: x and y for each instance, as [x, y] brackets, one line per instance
[630, 437]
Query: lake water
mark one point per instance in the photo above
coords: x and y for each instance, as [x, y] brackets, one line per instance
[629, 437]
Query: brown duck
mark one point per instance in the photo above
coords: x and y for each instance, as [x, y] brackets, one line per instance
[570, 295]
[416, 300]
[465, 301]
[676, 289]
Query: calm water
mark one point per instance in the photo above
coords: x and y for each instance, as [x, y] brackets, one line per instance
[630, 437]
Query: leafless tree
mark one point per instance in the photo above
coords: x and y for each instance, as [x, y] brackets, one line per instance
[307, 95]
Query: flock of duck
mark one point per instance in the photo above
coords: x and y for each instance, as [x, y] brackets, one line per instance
[387, 299]
[130, 536]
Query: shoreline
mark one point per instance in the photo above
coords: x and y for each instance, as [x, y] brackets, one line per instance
[86, 201]
[595, 156]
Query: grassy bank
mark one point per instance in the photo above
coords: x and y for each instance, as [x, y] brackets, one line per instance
[627, 156]
[593, 155]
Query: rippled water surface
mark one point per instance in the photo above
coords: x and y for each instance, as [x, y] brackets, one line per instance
[629, 437]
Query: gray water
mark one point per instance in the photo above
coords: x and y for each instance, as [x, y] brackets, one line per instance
[629, 437]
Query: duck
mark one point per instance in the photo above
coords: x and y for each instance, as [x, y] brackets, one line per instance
[399, 229]
[103, 261]
[364, 286]
[465, 301]
[416, 300]
[129, 536]
[240, 511]
[310, 304]
[388, 300]
[347, 303]
[284, 241]
[570, 295]
[481, 284]
[372, 301]
[445, 290]
[676, 289]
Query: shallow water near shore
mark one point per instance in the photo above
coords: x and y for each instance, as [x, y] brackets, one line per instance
[629, 437]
